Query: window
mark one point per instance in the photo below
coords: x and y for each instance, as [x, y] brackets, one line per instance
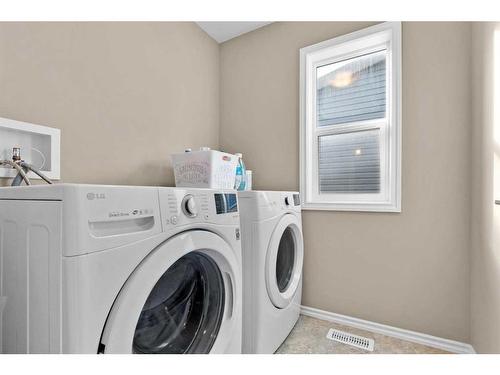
[350, 121]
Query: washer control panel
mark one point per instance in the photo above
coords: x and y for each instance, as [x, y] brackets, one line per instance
[187, 206]
[225, 203]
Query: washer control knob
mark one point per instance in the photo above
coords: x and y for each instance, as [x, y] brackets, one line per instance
[287, 201]
[189, 206]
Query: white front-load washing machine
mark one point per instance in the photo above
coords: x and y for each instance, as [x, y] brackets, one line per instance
[273, 254]
[116, 269]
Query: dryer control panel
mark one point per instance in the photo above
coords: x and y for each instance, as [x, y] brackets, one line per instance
[290, 201]
[262, 205]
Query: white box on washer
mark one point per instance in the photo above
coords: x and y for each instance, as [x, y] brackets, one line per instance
[205, 169]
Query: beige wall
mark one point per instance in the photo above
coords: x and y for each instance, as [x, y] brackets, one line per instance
[408, 270]
[125, 95]
[485, 252]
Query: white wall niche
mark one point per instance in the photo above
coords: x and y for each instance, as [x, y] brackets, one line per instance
[40, 146]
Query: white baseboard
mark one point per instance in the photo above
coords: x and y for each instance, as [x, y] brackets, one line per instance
[399, 333]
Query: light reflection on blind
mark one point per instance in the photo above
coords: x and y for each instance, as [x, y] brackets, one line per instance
[351, 90]
[349, 163]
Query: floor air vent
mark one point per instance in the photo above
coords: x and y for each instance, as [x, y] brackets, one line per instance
[350, 339]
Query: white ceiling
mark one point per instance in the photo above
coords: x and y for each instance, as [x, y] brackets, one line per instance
[223, 31]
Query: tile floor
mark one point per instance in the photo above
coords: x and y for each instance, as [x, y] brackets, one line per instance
[309, 337]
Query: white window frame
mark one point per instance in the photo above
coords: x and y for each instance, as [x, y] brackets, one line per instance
[382, 36]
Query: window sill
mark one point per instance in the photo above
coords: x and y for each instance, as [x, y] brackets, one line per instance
[353, 207]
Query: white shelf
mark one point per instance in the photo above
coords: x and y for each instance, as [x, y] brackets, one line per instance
[34, 141]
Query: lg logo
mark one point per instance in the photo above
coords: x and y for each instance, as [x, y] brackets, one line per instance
[92, 196]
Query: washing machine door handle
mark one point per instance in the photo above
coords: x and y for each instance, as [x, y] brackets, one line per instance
[284, 261]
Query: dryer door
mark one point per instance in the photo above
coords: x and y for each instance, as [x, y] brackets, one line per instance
[181, 299]
[285, 256]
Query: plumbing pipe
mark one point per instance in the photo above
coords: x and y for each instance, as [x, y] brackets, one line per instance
[19, 170]
[36, 171]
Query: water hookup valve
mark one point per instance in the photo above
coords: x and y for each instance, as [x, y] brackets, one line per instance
[22, 169]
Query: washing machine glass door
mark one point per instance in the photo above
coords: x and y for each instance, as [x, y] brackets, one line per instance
[179, 300]
[284, 261]
[183, 312]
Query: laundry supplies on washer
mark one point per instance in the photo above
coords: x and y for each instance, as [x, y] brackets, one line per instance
[205, 168]
[240, 179]
[248, 182]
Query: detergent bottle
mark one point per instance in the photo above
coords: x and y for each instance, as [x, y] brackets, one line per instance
[239, 183]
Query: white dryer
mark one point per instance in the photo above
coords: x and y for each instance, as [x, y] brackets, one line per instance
[115, 269]
[273, 254]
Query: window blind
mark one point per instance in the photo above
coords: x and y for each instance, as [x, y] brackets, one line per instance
[351, 90]
[349, 162]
